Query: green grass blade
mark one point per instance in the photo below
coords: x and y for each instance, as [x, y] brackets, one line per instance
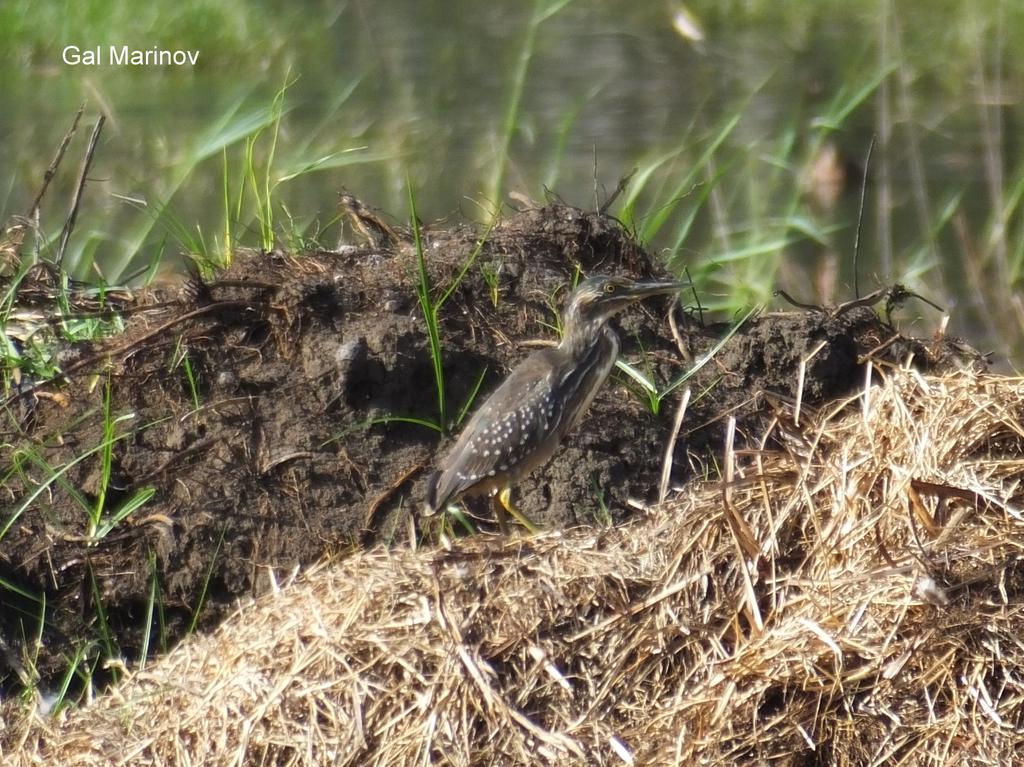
[206, 584]
[429, 310]
[471, 398]
[707, 356]
[542, 11]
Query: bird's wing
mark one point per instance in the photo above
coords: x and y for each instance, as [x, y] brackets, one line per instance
[523, 421]
[513, 422]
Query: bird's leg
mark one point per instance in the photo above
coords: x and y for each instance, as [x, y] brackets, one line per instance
[505, 499]
[499, 514]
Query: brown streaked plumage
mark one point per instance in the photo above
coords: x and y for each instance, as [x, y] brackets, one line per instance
[523, 422]
[377, 232]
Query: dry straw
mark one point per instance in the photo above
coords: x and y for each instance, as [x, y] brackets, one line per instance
[853, 598]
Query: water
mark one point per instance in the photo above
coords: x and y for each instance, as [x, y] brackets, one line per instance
[421, 90]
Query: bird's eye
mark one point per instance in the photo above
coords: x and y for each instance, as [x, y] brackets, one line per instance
[610, 287]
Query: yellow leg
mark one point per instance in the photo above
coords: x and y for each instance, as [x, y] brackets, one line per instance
[505, 499]
[499, 514]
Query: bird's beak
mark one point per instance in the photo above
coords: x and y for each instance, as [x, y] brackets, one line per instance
[644, 289]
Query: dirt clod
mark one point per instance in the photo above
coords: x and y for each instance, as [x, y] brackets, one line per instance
[267, 408]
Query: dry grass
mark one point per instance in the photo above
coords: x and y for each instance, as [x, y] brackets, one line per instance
[879, 620]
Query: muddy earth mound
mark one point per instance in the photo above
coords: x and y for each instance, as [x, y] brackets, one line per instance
[268, 408]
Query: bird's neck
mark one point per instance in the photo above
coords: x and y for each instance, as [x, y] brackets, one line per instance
[580, 336]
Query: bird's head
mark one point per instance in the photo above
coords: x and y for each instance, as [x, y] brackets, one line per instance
[598, 298]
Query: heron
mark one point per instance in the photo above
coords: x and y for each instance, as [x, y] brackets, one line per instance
[519, 427]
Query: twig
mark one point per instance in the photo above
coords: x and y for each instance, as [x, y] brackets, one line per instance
[742, 535]
[696, 297]
[801, 376]
[112, 313]
[674, 326]
[380, 500]
[619, 189]
[860, 220]
[54, 164]
[780, 293]
[69, 223]
[63, 375]
[670, 448]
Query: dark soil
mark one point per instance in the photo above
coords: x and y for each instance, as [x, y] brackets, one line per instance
[291, 359]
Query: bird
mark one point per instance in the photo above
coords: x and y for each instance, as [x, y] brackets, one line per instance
[377, 232]
[521, 424]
